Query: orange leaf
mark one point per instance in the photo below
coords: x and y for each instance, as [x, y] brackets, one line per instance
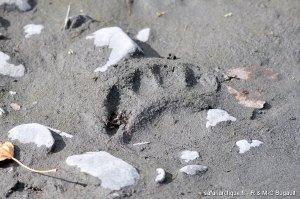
[6, 151]
[246, 98]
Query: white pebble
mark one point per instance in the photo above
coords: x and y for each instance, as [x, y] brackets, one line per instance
[118, 40]
[193, 169]
[215, 116]
[115, 195]
[161, 175]
[12, 92]
[143, 35]
[187, 156]
[2, 112]
[36, 133]
[10, 69]
[22, 4]
[113, 172]
[32, 29]
[15, 106]
[245, 146]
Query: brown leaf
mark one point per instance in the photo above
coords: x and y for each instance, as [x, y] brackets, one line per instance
[252, 73]
[6, 151]
[246, 98]
[256, 75]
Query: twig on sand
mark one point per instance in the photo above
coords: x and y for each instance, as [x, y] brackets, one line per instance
[141, 143]
[128, 6]
[179, 41]
[67, 16]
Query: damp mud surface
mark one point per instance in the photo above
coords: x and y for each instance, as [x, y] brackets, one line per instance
[150, 98]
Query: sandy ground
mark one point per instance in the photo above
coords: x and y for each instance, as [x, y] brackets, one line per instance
[166, 101]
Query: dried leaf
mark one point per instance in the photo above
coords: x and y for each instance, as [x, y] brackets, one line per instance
[248, 99]
[256, 75]
[252, 73]
[7, 152]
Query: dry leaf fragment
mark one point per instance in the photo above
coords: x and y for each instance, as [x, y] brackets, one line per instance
[7, 152]
[252, 73]
[246, 98]
[256, 75]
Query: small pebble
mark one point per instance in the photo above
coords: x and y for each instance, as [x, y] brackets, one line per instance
[143, 35]
[187, 156]
[22, 4]
[215, 116]
[245, 146]
[32, 133]
[12, 92]
[193, 169]
[15, 106]
[32, 29]
[115, 195]
[118, 40]
[2, 112]
[161, 175]
[6, 68]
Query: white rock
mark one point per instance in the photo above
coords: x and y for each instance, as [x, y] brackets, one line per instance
[61, 133]
[187, 156]
[15, 106]
[36, 133]
[12, 92]
[113, 172]
[64, 134]
[116, 39]
[161, 175]
[2, 112]
[115, 195]
[32, 29]
[22, 4]
[143, 35]
[193, 169]
[10, 69]
[245, 146]
[215, 116]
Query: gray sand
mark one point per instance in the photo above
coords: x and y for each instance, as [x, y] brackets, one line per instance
[165, 101]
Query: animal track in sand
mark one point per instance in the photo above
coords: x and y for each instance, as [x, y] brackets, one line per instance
[150, 94]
